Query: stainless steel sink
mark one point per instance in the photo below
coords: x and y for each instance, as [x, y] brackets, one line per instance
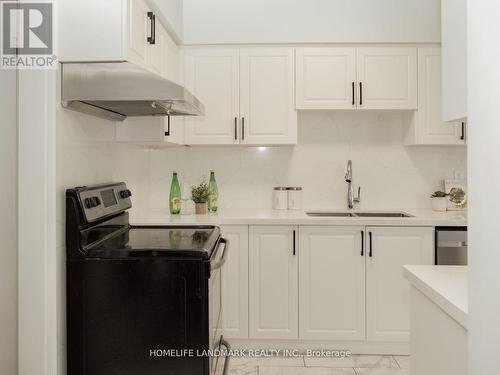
[329, 214]
[356, 214]
[382, 214]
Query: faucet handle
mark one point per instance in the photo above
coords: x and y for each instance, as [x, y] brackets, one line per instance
[358, 198]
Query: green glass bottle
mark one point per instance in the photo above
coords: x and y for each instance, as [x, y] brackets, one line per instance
[213, 197]
[175, 196]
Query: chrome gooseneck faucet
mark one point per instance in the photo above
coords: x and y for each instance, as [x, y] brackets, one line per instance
[351, 199]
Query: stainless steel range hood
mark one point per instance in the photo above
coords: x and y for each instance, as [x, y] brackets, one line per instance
[117, 90]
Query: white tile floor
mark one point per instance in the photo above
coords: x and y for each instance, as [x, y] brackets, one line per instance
[355, 365]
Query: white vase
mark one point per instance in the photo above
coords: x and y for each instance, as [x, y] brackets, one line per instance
[439, 204]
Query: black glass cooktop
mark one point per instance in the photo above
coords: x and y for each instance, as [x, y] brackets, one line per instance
[143, 241]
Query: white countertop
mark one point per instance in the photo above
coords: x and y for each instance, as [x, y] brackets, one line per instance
[289, 217]
[446, 286]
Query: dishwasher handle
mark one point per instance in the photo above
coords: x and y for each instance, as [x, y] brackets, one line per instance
[452, 244]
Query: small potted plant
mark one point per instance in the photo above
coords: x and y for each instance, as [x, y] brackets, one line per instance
[439, 201]
[200, 196]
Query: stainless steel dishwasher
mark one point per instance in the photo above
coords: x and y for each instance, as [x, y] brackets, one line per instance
[451, 246]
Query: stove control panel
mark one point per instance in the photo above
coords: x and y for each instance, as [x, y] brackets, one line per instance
[103, 200]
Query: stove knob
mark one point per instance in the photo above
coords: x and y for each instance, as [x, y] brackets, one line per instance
[88, 203]
[125, 194]
[95, 201]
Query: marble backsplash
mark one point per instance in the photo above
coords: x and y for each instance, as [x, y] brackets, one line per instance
[391, 175]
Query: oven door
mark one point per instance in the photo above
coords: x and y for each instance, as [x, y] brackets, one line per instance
[215, 299]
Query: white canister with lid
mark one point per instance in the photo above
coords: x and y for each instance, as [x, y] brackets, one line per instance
[294, 198]
[280, 198]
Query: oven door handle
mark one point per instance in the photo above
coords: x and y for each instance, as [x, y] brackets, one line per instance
[226, 362]
[219, 263]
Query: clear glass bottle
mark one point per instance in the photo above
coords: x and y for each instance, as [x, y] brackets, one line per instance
[175, 196]
[213, 198]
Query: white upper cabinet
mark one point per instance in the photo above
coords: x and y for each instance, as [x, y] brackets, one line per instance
[325, 78]
[248, 96]
[267, 97]
[171, 59]
[212, 75]
[138, 45]
[454, 45]
[356, 78]
[121, 30]
[426, 127]
[273, 282]
[331, 283]
[387, 292]
[387, 78]
[157, 52]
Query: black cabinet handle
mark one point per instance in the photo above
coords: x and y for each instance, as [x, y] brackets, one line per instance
[353, 96]
[462, 136]
[361, 93]
[167, 133]
[362, 243]
[152, 37]
[236, 128]
[242, 128]
[371, 244]
[293, 242]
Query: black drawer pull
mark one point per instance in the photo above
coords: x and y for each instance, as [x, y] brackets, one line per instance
[371, 244]
[353, 96]
[361, 93]
[236, 128]
[152, 37]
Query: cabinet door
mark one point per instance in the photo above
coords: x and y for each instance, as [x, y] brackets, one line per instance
[387, 292]
[428, 125]
[387, 78]
[331, 283]
[267, 96]
[212, 75]
[235, 283]
[138, 31]
[325, 78]
[273, 278]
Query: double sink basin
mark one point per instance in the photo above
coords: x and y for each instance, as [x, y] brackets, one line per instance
[356, 214]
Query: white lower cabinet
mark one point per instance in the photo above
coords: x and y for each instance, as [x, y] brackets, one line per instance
[235, 283]
[273, 282]
[328, 283]
[387, 292]
[331, 283]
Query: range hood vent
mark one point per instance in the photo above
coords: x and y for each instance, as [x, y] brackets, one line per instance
[117, 90]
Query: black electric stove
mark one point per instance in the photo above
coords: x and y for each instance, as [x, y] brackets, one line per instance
[141, 300]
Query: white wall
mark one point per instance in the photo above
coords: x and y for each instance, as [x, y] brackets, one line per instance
[391, 176]
[484, 183]
[172, 11]
[83, 157]
[294, 21]
[8, 222]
